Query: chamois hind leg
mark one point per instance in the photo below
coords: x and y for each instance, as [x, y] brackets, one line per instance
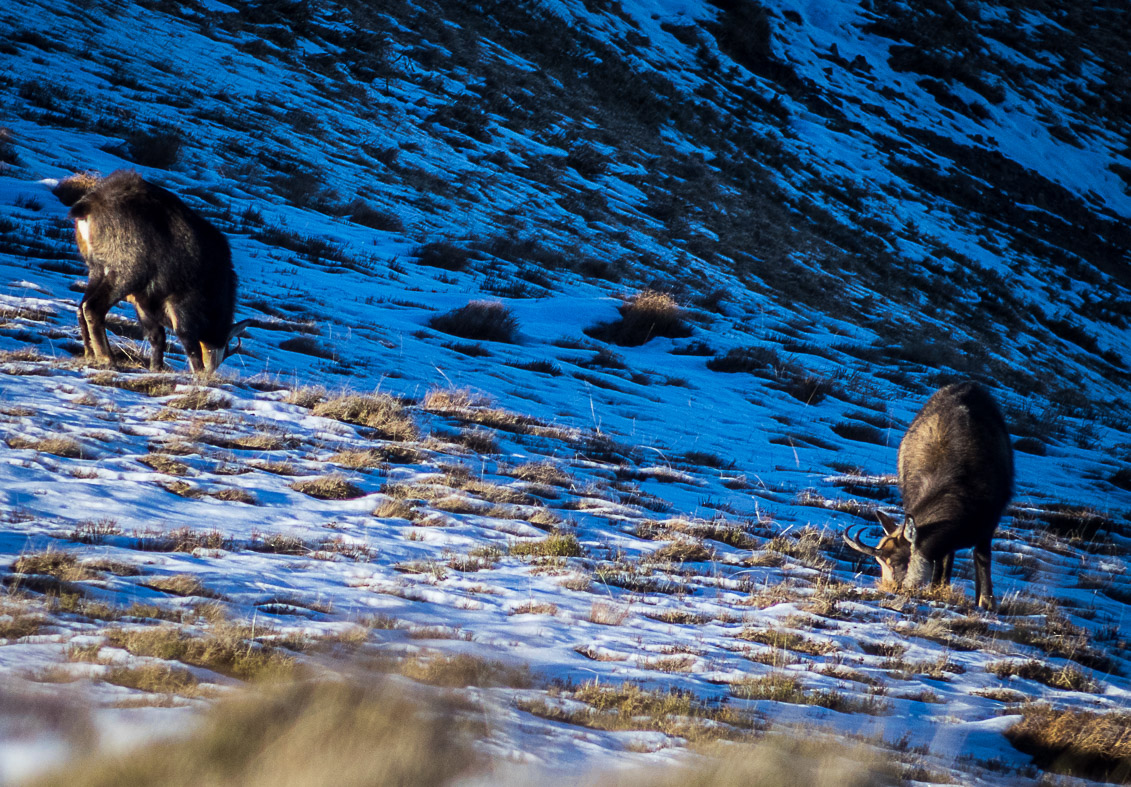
[96, 302]
[154, 332]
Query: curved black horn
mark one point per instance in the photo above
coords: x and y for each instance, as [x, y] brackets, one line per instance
[856, 543]
[236, 332]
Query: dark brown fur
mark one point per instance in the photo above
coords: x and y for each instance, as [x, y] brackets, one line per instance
[141, 243]
[956, 478]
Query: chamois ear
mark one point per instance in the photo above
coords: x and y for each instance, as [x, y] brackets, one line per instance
[889, 525]
[909, 529]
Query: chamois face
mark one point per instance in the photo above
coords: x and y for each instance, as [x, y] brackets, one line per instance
[893, 552]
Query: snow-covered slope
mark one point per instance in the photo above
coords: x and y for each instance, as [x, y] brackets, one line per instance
[852, 205]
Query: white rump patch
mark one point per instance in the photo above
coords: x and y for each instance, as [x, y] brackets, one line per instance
[82, 227]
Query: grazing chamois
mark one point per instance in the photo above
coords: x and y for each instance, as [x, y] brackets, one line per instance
[142, 244]
[956, 477]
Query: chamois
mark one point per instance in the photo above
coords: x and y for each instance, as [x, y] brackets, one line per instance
[955, 476]
[142, 244]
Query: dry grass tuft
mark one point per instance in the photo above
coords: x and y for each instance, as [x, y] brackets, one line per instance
[380, 412]
[630, 707]
[1068, 677]
[329, 487]
[605, 613]
[489, 321]
[788, 640]
[359, 732]
[156, 678]
[806, 759]
[163, 463]
[181, 585]
[554, 545]
[200, 399]
[227, 648]
[65, 447]
[463, 669]
[64, 566]
[1077, 743]
[644, 316]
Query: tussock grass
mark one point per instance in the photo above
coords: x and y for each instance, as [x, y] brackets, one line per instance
[227, 648]
[783, 687]
[1068, 677]
[606, 613]
[18, 620]
[788, 640]
[463, 669]
[182, 539]
[64, 566]
[359, 732]
[395, 508]
[380, 412]
[200, 399]
[163, 463]
[807, 758]
[156, 678]
[554, 545]
[1077, 743]
[359, 460]
[544, 473]
[630, 707]
[155, 385]
[490, 321]
[278, 544]
[233, 494]
[644, 316]
[681, 550]
[65, 447]
[181, 585]
[329, 487]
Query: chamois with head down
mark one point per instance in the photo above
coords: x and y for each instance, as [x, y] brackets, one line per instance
[142, 244]
[956, 477]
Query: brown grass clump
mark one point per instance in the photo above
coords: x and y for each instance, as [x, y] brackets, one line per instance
[230, 649]
[380, 412]
[630, 707]
[809, 759]
[65, 447]
[163, 463]
[156, 678]
[644, 316]
[682, 550]
[359, 732]
[789, 640]
[1069, 677]
[554, 545]
[200, 399]
[463, 669]
[605, 613]
[329, 487]
[359, 460]
[489, 321]
[1077, 743]
[545, 473]
[181, 585]
[63, 566]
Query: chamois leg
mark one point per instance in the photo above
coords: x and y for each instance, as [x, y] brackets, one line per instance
[942, 570]
[154, 332]
[96, 302]
[983, 585]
